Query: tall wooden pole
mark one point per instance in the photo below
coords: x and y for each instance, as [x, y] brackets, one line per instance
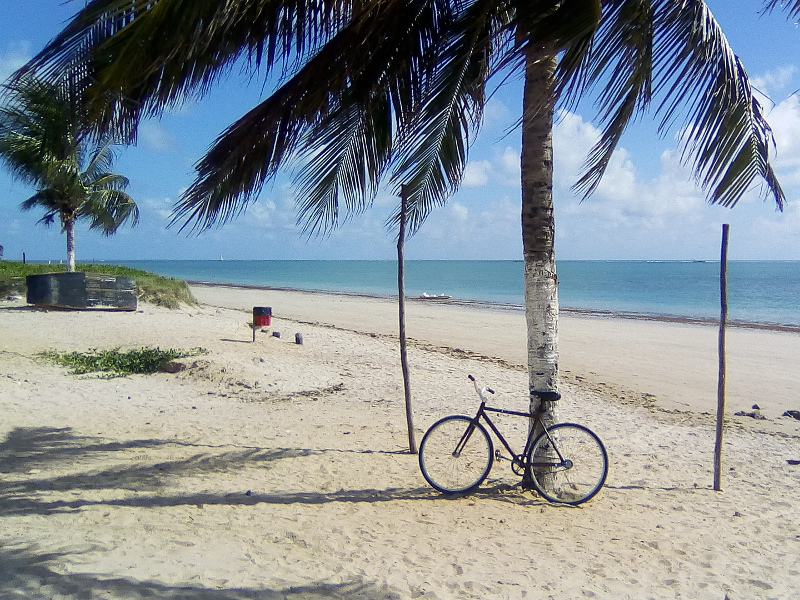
[401, 289]
[723, 321]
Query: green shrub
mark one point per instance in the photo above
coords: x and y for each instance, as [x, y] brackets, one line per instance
[12, 287]
[117, 363]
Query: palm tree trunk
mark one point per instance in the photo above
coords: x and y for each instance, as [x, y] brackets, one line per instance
[538, 229]
[69, 229]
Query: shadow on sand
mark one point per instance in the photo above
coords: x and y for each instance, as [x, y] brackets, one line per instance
[26, 573]
[27, 451]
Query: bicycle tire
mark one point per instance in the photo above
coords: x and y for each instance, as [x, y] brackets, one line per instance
[584, 473]
[450, 473]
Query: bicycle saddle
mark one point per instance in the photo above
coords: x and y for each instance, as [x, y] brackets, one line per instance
[547, 396]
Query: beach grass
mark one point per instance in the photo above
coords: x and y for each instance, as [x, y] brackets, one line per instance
[118, 363]
[152, 288]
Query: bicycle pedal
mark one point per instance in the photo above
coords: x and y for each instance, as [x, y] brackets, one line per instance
[498, 456]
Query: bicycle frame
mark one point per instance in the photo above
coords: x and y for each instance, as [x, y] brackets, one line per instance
[516, 458]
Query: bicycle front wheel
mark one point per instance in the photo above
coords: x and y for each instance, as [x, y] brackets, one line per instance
[572, 468]
[455, 455]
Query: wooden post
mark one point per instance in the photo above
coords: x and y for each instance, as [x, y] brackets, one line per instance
[401, 289]
[723, 321]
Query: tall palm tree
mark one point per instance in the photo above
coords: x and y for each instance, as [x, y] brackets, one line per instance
[44, 143]
[396, 88]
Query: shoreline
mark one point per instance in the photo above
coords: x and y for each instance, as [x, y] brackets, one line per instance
[499, 306]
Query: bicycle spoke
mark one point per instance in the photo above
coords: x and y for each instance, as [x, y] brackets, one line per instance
[452, 458]
[582, 472]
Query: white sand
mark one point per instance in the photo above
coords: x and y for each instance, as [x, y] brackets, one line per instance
[274, 470]
[675, 364]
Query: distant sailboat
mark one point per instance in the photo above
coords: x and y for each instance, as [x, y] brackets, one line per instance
[220, 257]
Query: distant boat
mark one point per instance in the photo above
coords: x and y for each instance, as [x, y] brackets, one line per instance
[220, 257]
[427, 296]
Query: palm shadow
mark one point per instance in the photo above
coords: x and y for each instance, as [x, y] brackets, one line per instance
[27, 451]
[26, 573]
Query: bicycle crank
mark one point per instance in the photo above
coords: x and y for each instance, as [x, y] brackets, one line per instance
[516, 465]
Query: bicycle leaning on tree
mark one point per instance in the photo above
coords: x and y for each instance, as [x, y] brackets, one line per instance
[566, 462]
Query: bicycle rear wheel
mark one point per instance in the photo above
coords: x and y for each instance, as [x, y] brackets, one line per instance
[580, 471]
[445, 467]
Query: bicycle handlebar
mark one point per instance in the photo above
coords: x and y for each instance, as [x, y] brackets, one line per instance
[478, 390]
[548, 396]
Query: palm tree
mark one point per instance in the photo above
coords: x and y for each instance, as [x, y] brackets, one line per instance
[396, 88]
[44, 144]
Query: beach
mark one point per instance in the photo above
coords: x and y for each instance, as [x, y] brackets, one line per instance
[272, 469]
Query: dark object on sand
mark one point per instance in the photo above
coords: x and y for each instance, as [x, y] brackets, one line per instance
[298, 338]
[793, 462]
[93, 291]
[276, 334]
[753, 414]
[262, 316]
[795, 414]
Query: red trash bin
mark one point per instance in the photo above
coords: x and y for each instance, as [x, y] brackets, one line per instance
[262, 316]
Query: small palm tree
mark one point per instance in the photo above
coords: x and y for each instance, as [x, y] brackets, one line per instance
[44, 144]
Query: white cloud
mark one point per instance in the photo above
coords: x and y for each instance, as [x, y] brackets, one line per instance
[459, 212]
[510, 173]
[624, 201]
[155, 137]
[476, 174]
[15, 56]
[785, 122]
[503, 169]
[785, 227]
[160, 206]
[496, 114]
[487, 229]
[573, 138]
[776, 80]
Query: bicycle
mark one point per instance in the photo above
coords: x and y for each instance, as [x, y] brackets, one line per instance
[566, 463]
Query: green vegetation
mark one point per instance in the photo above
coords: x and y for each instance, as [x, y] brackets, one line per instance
[116, 363]
[152, 288]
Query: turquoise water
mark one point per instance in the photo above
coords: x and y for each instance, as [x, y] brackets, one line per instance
[758, 291]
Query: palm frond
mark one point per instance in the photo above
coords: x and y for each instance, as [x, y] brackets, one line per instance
[695, 73]
[35, 129]
[433, 145]
[792, 7]
[99, 163]
[355, 145]
[108, 181]
[137, 57]
[350, 71]
[108, 209]
[622, 55]
[559, 24]
[349, 150]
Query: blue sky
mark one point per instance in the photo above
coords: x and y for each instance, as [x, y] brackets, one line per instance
[647, 206]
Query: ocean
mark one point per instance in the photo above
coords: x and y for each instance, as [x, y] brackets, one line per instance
[762, 292]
